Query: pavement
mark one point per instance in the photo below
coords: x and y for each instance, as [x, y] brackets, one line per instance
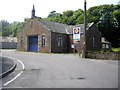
[44, 70]
[7, 65]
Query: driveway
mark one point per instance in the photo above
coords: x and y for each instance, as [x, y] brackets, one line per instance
[44, 70]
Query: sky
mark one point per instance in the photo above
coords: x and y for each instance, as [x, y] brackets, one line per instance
[17, 10]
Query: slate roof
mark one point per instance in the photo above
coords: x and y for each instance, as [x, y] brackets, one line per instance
[55, 27]
[62, 28]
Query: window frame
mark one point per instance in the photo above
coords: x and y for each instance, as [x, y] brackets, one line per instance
[21, 41]
[43, 41]
[59, 41]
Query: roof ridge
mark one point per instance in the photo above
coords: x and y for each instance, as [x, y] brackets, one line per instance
[53, 22]
[62, 28]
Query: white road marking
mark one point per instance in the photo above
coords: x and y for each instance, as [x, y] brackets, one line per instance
[22, 64]
[23, 68]
[13, 79]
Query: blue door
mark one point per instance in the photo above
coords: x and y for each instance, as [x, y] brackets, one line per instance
[33, 43]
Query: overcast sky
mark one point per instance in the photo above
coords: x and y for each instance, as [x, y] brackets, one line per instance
[17, 10]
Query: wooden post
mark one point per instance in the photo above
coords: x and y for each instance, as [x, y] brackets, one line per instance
[84, 42]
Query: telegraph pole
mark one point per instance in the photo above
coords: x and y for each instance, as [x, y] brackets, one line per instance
[84, 42]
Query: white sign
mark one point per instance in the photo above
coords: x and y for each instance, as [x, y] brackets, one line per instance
[76, 35]
[72, 46]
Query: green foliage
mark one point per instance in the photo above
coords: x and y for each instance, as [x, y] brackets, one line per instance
[106, 50]
[3, 24]
[93, 14]
[116, 49]
[108, 23]
[68, 17]
[11, 30]
[80, 19]
[53, 16]
[14, 28]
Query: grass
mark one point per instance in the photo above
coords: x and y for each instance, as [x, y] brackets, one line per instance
[116, 49]
[105, 50]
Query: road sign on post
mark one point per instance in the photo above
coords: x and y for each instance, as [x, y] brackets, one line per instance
[76, 35]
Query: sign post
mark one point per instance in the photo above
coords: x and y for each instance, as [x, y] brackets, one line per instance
[73, 47]
[84, 44]
[76, 36]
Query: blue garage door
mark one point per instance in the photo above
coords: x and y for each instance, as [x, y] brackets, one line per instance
[33, 43]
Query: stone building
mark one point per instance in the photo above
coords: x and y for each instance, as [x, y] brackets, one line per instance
[106, 44]
[47, 36]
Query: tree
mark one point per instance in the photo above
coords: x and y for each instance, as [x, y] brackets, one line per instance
[68, 17]
[52, 14]
[93, 14]
[74, 17]
[11, 30]
[80, 19]
[3, 24]
[116, 14]
[109, 24]
[14, 28]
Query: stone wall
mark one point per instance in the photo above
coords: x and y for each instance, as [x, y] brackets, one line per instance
[8, 45]
[103, 55]
[8, 42]
[54, 42]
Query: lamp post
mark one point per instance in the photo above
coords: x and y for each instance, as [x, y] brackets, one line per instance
[84, 42]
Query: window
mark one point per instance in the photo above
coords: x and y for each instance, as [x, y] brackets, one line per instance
[21, 41]
[107, 46]
[43, 40]
[103, 45]
[93, 41]
[59, 41]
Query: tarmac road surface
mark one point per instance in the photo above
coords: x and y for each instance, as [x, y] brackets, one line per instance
[6, 64]
[44, 70]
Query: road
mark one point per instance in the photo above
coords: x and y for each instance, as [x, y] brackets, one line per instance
[44, 70]
[6, 64]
